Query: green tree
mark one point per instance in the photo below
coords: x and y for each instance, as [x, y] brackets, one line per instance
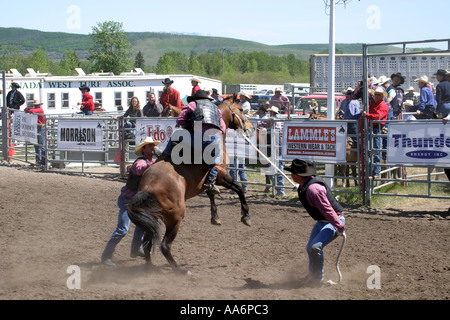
[69, 63]
[38, 61]
[139, 61]
[111, 48]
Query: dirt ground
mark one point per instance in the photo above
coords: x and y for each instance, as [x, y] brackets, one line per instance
[51, 221]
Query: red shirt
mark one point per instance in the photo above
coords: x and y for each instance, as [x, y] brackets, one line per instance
[378, 111]
[88, 102]
[39, 110]
[171, 97]
[195, 89]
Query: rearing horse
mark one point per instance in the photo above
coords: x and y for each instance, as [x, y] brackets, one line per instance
[165, 187]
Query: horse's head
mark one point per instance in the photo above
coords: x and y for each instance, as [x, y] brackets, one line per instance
[234, 116]
[170, 111]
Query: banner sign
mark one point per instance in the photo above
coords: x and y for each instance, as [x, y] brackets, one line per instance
[418, 143]
[159, 129]
[80, 135]
[25, 127]
[321, 141]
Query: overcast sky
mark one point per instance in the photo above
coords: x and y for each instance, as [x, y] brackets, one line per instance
[268, 22]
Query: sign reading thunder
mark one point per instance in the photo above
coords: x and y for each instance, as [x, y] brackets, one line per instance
[323, 141]
[419, 143]
[80, 135]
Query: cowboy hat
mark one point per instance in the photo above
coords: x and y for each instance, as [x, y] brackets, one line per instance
[379, 90]
[274, 109]
[144, 142]
[84, 87]
[374, 81]
[423, 79]
[398, 74]
[15, 85]
[440, 72]
[302, 168]
[196, 80]
[199, 95]
[37, 103]
[411, 89]
[244, 94]
[408, 103]
[278, 90]
[167, 81]
[383, 80]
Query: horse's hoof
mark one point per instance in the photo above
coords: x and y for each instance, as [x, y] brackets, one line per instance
[246, 220]
[216, 222]
[185, 272]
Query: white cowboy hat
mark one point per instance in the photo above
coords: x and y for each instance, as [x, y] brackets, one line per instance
[380, 90]
[144, 142]
[278, 90]
[37, 103]
[196, 80]
[411, 89]
[244, 94]
[408, 103]
[374, 80]
[383, 80]
[274, 109]
[423, 79]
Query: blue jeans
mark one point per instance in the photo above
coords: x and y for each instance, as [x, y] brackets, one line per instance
[40, 147]
[444, 109]
[321, 235]
[123, 224]
[377, 143]
[242, 173]
[279, 180]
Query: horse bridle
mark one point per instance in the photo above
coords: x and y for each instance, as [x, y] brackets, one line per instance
[242, 120]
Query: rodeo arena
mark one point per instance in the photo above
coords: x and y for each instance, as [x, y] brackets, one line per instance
[62, 172]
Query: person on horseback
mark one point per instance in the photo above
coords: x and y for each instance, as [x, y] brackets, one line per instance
[201, 110]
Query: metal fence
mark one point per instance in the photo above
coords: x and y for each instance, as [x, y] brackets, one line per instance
[118, 144]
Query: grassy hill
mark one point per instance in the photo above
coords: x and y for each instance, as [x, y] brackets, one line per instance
[153, 45]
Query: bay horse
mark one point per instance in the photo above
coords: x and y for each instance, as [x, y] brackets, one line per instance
[170, 111]
[165, 187]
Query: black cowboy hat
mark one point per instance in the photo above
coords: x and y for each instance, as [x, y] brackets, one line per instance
[15, 84]
[167, 81]
[441, 72]
[199, 95]
[84, 87]
[302, 168]
[398, 74]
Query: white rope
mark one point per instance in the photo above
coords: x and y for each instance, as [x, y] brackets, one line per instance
[344, 240]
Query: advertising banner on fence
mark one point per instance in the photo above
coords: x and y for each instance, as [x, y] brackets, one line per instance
[25, 127]
[80, 135]
[159, 129]
[324, 141]
[418, 143]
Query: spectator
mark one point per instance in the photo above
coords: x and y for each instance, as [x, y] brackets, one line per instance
[442, 93]
[378, 110]
[244, 103]
[215, 95]
[412, 95]
[14, 99]
[399, 93]
[350, 110]
[87, 103]
[280, 101]
[134, 111]
[277, 131]
[320, 203]
[145, 153]
[41, 134]
[427, 105]
[170, 96]
[407, 104]
[372, 84]
[195, 85]
[152, 108]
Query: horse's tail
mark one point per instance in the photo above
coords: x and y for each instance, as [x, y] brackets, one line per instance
[145, 212]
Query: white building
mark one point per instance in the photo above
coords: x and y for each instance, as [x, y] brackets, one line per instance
[349, 68]
[61, 94]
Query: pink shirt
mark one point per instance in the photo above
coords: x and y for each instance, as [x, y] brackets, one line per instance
[183, 118]
[138, 169]
[317, 197]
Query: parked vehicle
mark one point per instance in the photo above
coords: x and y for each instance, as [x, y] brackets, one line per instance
[320, 100]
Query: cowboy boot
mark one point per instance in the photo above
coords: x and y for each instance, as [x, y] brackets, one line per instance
[209, 185]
